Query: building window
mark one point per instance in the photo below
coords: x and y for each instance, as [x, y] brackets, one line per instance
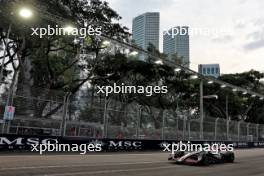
[216, 70]
[212, 70]
[208, 71]
[204, 71]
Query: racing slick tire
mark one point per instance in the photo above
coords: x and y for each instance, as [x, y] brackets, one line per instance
[205, 160]
[230, 158]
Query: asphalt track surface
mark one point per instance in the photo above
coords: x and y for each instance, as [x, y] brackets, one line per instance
[248, 163]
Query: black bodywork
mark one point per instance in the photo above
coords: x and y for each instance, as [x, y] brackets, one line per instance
[202, 157]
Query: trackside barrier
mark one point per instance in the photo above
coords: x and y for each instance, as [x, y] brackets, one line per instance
[10, 142]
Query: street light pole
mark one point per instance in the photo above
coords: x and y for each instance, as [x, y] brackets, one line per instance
[177, 120]
[3, 64]
[227, 119]
[5, 51]
[24, 13]
[201, 110]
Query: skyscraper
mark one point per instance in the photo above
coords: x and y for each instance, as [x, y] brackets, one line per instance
[145, 29]
[176, 41]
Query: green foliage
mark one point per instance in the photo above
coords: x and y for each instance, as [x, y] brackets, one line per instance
[53, 62]
[183, 91]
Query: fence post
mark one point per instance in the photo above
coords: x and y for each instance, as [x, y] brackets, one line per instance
[216, 123]
[257, 132]
[105, 130]
[189, 130]
[3, 126]
[177, 119]
[227, 129]
[138, 121]
[248, 130]
[64, 115]
[79, 130]
[163, 124]
[238, 131]
[177, 126]
[10, 96]
[184, 127]
[201, 111]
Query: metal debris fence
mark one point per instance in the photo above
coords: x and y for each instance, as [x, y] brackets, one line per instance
[52, 113]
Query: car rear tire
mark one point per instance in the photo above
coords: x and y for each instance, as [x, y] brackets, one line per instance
[230, 158]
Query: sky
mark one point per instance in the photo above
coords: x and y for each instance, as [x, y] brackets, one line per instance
[228, 32]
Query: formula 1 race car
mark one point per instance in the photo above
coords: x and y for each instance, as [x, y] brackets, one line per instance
[202, 157]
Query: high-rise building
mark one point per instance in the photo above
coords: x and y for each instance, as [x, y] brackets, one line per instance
[209, 70]
[145, 29]
[176, 42]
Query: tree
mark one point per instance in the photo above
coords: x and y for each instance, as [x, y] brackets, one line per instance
[241, 107]
[52, 62]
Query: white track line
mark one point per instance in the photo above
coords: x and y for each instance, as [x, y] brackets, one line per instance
[78, 155]
[109, 171]
[76, 165]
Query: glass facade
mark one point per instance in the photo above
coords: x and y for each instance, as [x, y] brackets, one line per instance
[177, 44]
[145, 29]
[209, 70]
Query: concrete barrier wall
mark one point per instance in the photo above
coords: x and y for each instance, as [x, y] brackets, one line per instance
[23, 143]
